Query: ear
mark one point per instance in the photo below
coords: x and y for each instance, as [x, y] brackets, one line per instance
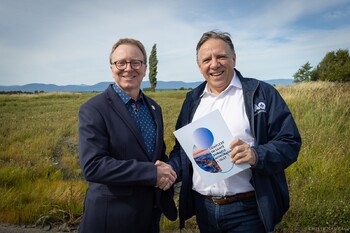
[234, 60]
[199, 67]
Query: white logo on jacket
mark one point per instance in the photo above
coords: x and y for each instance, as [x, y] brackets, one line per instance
[260, 107]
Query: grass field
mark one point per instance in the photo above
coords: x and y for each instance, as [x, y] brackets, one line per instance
[41, 181]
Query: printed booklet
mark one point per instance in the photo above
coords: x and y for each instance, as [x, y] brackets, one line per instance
[206, 142]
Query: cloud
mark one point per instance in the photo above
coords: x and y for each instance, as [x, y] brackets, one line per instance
[68, 42]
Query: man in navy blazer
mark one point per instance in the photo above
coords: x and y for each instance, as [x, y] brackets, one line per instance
[120, 140]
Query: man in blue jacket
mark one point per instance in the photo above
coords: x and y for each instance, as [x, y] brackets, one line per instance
[265, 136]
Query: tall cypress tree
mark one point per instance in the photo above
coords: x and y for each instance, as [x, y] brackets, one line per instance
[153, 62]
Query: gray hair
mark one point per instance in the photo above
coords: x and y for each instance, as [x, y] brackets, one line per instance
[214, 34]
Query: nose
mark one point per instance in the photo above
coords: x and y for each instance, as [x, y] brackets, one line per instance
[128, 66]
[215, 63]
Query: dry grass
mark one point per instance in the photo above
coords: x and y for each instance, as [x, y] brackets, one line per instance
[40, 176]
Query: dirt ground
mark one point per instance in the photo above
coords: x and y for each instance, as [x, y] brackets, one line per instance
[6, 228]
[22, 229]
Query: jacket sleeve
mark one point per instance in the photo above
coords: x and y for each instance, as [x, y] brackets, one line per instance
[175, 157]
[277, 137]
[102, 164]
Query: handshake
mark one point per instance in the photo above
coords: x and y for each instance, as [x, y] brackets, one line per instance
[166, 176]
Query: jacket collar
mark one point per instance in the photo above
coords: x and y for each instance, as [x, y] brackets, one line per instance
[248, 84]
[119, 108]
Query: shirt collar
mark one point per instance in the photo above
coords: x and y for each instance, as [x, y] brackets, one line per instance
[125, 97]
[235, 82]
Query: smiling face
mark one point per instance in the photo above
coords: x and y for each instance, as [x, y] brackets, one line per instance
[128, 79]
[216, 63]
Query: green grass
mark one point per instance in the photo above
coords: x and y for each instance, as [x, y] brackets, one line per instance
[320, 180]
[41, 181]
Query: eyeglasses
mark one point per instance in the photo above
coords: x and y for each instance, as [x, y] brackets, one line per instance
[121, 65]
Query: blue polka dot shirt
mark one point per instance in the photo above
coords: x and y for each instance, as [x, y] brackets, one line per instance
[142, 117]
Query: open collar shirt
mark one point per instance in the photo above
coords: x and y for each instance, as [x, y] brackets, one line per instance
[230, 103]
[142, 116]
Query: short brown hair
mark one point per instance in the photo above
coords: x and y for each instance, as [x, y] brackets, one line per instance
[129, 41]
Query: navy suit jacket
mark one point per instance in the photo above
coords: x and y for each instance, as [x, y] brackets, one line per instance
[121, 175]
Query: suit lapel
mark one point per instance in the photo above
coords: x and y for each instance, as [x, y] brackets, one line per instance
[196, 98]
[156, 115]
[119, 108]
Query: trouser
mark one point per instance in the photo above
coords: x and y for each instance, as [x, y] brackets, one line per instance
[235, 217]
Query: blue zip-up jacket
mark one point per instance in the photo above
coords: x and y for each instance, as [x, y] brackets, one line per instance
[277, 145]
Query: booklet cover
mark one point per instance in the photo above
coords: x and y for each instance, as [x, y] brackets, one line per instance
[206, 142]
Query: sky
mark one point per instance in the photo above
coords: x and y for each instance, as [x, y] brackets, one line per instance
[67, 42]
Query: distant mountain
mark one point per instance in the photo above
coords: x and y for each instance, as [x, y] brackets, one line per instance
[280, 82]
[161, 85]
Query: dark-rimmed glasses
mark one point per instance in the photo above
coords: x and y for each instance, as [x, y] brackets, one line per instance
[121, 65]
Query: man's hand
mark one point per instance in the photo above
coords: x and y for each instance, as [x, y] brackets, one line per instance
[166, 176]
[241, 152]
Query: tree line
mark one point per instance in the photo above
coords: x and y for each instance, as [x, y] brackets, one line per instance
[334, 67]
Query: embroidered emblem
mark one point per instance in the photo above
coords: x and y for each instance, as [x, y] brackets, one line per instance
[260, 107]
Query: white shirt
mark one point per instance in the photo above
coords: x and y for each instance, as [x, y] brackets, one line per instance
[230, 103]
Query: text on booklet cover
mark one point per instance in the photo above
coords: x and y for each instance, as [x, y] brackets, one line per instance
[206, 143]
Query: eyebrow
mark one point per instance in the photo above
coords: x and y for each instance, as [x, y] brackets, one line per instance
[209, 57]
